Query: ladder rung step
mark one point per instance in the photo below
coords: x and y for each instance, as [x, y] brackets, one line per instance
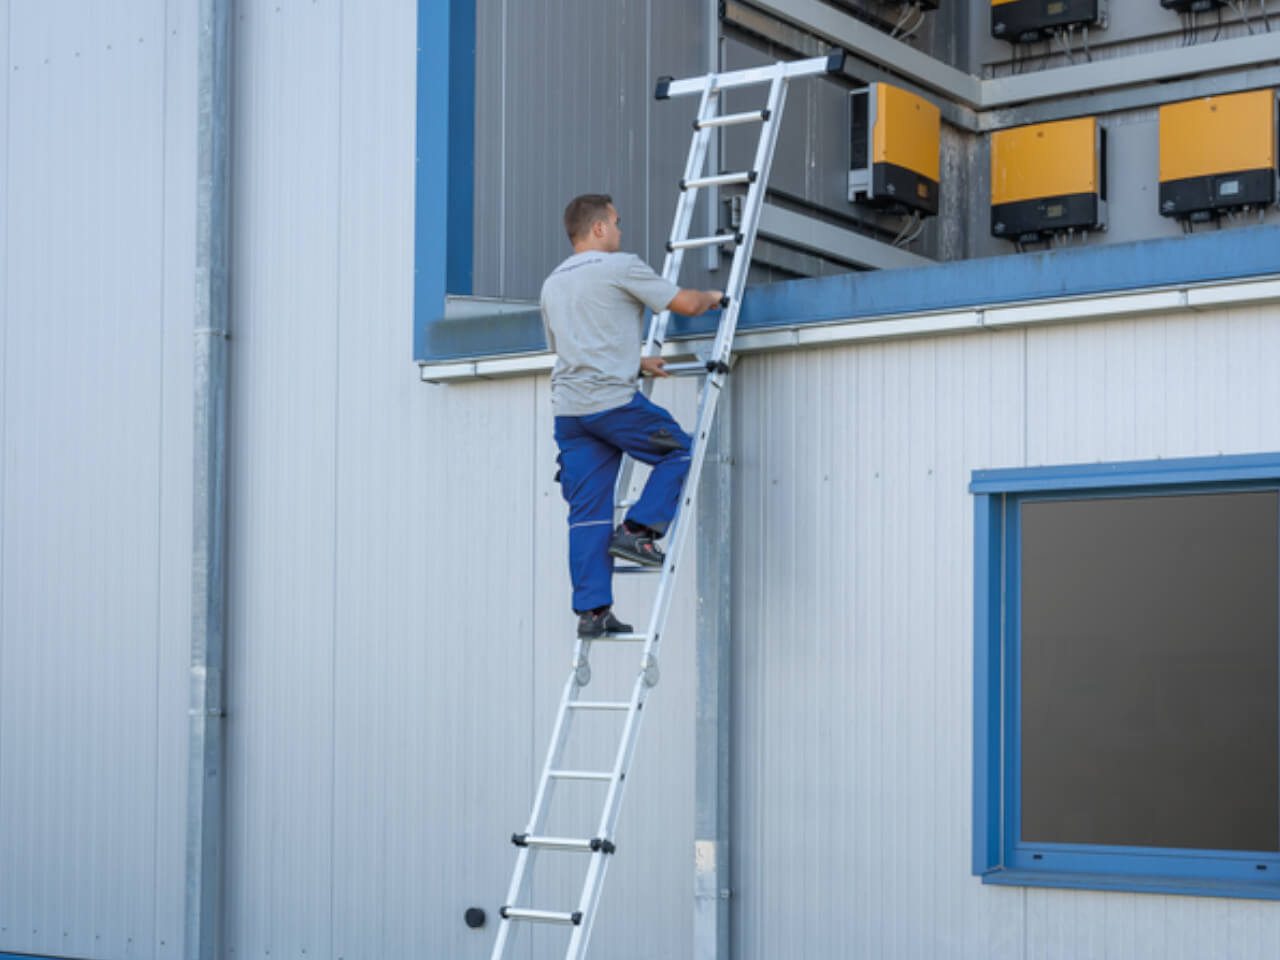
[719, 238]
[600, 704]
[694, 368]
[541, 916]
[624, 504]
[636, 568]
[574, 844]
[580, 775]
[719, 180]
[729, 119]
[623, 637]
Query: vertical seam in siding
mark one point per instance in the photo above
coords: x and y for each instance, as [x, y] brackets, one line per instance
[160, 462]
[337, 460]
[4, 341]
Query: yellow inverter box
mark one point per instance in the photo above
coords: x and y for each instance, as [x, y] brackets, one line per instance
[894, 143]
[1218, 153]
[1047, 178]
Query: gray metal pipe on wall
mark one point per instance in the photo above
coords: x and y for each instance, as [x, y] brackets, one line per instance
[205, 773]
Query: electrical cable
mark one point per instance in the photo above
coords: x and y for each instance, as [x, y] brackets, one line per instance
[1057, 35]
[919, 22]
[1244, 15]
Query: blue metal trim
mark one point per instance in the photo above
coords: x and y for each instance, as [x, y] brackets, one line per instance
[431, 172]
[1133, 473]
[444, 173]
[1011, 635]
[1133, 884]
[987, 513]
[1198, 258]
[462, 150]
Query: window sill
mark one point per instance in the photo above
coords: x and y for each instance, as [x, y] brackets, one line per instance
[1186, 886]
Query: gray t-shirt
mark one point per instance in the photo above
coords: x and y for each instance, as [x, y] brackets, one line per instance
[593, 313]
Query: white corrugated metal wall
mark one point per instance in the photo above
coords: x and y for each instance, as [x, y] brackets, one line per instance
[395, 547]
[854, 623]
[96, 287]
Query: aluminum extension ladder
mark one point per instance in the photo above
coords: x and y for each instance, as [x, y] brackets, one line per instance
[600, 846]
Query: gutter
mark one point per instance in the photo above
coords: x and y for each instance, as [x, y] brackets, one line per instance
[205, 758]
[1164, 300]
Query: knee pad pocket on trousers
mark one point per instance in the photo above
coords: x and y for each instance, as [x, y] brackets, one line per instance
[664, 441]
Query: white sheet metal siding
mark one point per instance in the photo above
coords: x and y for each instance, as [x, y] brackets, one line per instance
[95, 511]
[400, 626]
[853, 624]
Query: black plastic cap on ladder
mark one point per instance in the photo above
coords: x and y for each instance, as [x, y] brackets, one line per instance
[835, 63]
[664, 84]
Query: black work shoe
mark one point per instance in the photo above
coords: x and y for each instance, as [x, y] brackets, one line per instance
[592, 625]
[637, 547]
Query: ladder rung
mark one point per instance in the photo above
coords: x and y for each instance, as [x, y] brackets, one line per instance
[580, 775]
[635, 568]
[619, 636]
[729, 119]
[694, 368]
[720, 180]
[599, 704]
[541, 916]
[624, 504]
[719, 238]
[591, 845]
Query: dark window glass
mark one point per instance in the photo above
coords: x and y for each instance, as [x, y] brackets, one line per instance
[1149, 670]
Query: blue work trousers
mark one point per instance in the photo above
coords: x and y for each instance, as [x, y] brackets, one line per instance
[591, 449]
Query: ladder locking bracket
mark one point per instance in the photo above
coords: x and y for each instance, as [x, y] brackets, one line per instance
[717, 366]
[601, 845]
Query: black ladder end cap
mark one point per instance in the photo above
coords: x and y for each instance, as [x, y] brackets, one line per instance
[663, 88]
[502, 912]
[683, 184]
[738, 238]
[753, 176]
[601, 845]
[669, 247]
[520, 839]
[717, 366]
[724, 301]
[835, 60]
[766, 113]
[474, 918]
[576, 918]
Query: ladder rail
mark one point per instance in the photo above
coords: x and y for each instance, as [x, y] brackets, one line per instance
[593, 886]
[542, 798]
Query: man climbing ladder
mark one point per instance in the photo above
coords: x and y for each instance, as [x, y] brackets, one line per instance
[650, 435]
[593, 310]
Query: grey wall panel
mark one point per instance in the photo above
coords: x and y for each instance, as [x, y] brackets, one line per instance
[852, 666]
[97, 386]
[281, 499]
[565, 106]
[853, 622]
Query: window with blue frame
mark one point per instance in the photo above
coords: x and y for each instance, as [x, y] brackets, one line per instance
[1127, 676]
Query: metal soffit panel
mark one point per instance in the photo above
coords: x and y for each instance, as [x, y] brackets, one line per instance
[1236, 61]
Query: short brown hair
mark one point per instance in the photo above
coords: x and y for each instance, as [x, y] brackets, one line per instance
[582, 213]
